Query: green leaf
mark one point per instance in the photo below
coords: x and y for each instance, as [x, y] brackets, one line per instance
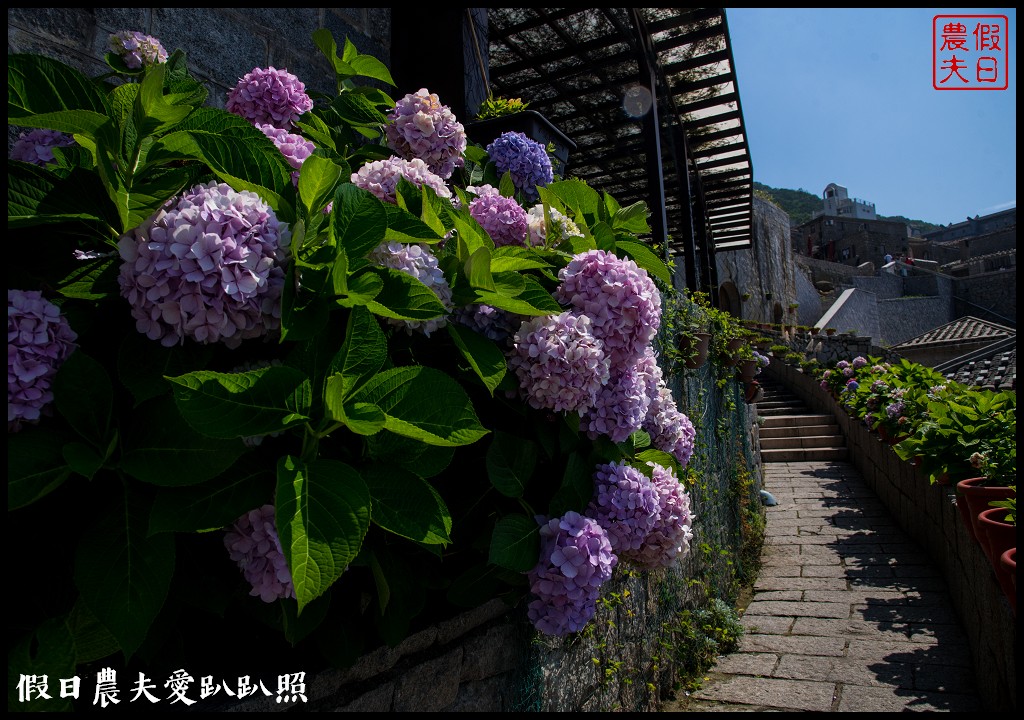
[228, 405]
[123, 575]
[515, 543]
[322, 515]
[486, 358]
[645, 258]
[247, 484]
[505, 186]
[358, 220]
[406, 505]
[510, 460]
[324, 40]
[317, 181]
[296, 626]
[153, 113]
[604, 236]
[160, 448]
[83, 394]
[574, 194]
[48, 652]
[404, 227]
[363, 354]
[92, 640]
[35, 465]
[632, 219]
[83, 459]
[424, 404]
[478, 270]
[361, 288]
[357, 111]
[512, 257]
[38, 85]
[404, 297]
[92, 279]
[426, 461]
[38, 197]
[371, 67]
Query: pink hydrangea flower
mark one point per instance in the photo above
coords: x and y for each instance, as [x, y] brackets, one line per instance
[208, 265]
[670, 536]
[622, 404]
[137, 50]
[620, 299]
[381, 177]
[503, 218]
[269, 96]
[576, 558]
[421, 127]
[39, 340]
[36, 146]
[252, 542]
[625, 504]
[561, 366]
[671, 431]
[295, 148]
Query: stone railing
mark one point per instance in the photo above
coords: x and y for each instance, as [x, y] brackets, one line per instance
[928, 513]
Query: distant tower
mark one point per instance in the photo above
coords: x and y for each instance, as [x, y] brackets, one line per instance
[836, 201]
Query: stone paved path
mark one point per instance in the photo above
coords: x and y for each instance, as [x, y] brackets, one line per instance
[848, 614]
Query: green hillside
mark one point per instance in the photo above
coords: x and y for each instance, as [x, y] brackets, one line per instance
[800, 205]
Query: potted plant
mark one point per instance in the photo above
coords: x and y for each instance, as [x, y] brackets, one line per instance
[997, 536]
[500, 115]
[686, 321]
[747, 364]
[745, 296]
[792, 308]
[830, 331]
[996, 459]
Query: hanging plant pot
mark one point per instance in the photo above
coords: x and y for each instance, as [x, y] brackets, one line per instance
[753, 392]
[532, 124]
[695, 349]
[747, 370]
[730, 357]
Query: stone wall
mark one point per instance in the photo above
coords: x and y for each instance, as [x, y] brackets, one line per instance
[989, 296]
[928, 513]
[901, 319]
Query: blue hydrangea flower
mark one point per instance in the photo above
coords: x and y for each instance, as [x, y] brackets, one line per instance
[524, 159]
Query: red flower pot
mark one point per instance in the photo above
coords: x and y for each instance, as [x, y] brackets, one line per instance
[997, 537]
[972, 496]
[700, 352]
[1009, 563]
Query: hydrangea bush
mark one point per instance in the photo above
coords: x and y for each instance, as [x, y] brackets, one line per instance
[287, 364]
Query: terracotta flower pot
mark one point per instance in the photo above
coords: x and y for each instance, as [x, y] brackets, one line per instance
[972, 496]
[753, 392]
[747, 370]
[1009, 562]
[697, 345]
[997, 536]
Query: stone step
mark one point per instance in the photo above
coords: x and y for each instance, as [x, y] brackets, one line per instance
[797, 431]
[767, 403]
[801, 441]
[804, 454]
[797, 420]
[780, 411]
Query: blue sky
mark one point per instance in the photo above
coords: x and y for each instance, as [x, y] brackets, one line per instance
[845, 95]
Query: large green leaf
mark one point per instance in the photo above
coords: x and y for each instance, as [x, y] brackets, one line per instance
[159, 447]
[92, 280]
[123, 575]
[406, 505]
[35, 465]
[426, 461]
[38, 85]
[363, 354]
[247, 484]
[37, 197]
[645, 258]
[404, 297]
[515, 543]
[322, 514]
[574, 194]
[424, 404]
[405, 227]
[486, 358]
[317, 181]
[92, 640]
[228, 405]
[511, 460]
[84, 395]
[576, 489]
[632, 219]
[513, 257]
[366, 65]
[358, 220]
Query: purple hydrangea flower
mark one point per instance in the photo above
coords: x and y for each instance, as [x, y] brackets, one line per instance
[208, 265]
[39, 340]
[621, 300]
[381, 177]
[622, 403]
[503, 218]
[492, 323]
[671, 431]
[526, 160]
[137, 50]
[269, 96]
[418, 261]
[625, 504]
[421, 127]
[252, 542]
[842, 364]
[673, 527]
[561, 366]
[859, 362]
[36, 146]
[576, 558]
[295, 148]
[561, 226]
[848, 371]
[852, 385]
[894, 410]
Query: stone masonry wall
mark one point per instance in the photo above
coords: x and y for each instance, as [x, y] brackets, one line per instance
[928, 513]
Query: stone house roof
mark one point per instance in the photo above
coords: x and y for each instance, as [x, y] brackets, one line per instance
[967, 329]
[993, 367]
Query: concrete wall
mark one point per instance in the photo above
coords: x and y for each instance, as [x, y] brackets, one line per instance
[854, 310]
[929, 515]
